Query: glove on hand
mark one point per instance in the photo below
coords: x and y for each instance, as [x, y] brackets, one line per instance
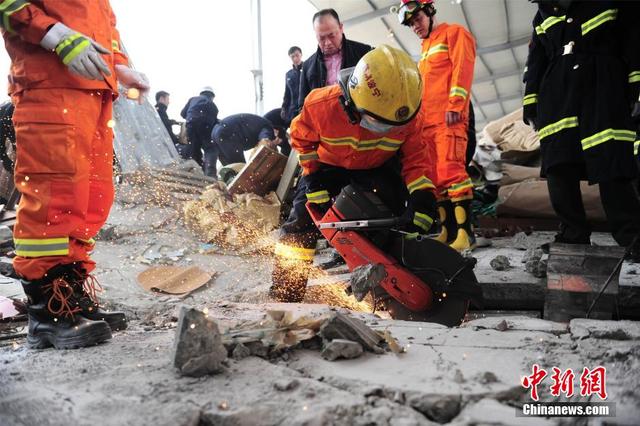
[422, 211]
[77, 51]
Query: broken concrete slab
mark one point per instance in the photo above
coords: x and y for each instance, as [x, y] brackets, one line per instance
[518, 323]
[598, 329]
[439, 408]
[198, 348]
[340, 348]
[490, 411]
[341, 326]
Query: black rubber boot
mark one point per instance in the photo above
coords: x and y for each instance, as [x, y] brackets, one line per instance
[448, 228]
[85, 287]
[54, 318]
[465, 239]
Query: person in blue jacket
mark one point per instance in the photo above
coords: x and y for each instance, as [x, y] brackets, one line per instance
[201, 114]
[235, 134]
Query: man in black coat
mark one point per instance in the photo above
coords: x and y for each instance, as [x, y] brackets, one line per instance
[292, 86]
[582, 75]
[235, 134]
[162, 103]
[335, 52]
[201, 114]
[280, 128]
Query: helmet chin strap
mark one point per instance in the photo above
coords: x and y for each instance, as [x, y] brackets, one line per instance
[345, 99]
[431, 12]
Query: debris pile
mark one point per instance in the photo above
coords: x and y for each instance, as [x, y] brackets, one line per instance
[203, 347]
[242, 221]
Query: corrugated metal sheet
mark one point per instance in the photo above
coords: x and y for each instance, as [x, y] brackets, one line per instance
[140, 137]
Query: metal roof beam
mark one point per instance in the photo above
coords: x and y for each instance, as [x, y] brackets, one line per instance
[374, 14]
[501, 99]
[497, 75]
[503, 46]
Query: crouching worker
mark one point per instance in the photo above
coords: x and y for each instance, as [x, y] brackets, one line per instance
[234, 135]
[63, 84]
[350, 134]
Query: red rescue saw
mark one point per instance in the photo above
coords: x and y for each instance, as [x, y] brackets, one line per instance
[423, 279]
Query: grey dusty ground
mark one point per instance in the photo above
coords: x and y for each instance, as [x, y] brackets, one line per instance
[466, 375]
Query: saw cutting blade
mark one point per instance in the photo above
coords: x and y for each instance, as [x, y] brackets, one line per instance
[449, 275]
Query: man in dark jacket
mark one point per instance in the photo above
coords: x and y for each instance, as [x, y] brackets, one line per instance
[335, 52]
[292, 86]
[583, 73]
[162, 103]
[235, 134]
[280, 128]
[201, 114]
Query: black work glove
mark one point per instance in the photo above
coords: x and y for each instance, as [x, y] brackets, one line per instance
[316, 192]
[422, 211]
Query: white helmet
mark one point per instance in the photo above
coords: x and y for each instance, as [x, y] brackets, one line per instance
[207, 89]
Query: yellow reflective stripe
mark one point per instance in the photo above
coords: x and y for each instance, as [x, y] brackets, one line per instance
[548, 23]
[634, 77]
[438, 48]
[27, 247]
[422, 220]
[309, 156]
[291, 252]
[462, 186]
[90, 241]
[115, 46]
[8, 8]
[72, 47]
[422, 182]
[318, 197]
[458, 91]
[636, 147]
[565, 123]
[607, 15]
[607, 135]
[384, 144]
[530, 99]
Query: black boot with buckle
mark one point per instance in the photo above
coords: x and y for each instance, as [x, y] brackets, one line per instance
[54, 315]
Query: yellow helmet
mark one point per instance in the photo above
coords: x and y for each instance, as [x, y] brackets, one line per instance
[386, 85]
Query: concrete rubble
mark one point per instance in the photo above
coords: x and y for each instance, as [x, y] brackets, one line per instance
[500, 263]
[198, 346]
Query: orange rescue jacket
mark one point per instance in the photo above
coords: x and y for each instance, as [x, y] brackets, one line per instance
[24, 25]
[446, 66]
[322, 133]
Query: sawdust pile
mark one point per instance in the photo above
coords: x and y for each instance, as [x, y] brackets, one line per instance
[241, 222]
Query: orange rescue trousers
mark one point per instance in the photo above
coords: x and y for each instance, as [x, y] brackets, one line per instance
[452, 180]
[64, 170]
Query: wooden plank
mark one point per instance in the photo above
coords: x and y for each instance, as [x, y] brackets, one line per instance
[261, 175]
[288, 176]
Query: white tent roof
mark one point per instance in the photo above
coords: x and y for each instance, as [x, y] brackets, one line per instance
[502, 29]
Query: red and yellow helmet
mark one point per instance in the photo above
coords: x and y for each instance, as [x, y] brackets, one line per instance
[408, 8]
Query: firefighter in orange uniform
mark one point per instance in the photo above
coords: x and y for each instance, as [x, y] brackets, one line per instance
[446, 65]
[350, 134]
[65, 67]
